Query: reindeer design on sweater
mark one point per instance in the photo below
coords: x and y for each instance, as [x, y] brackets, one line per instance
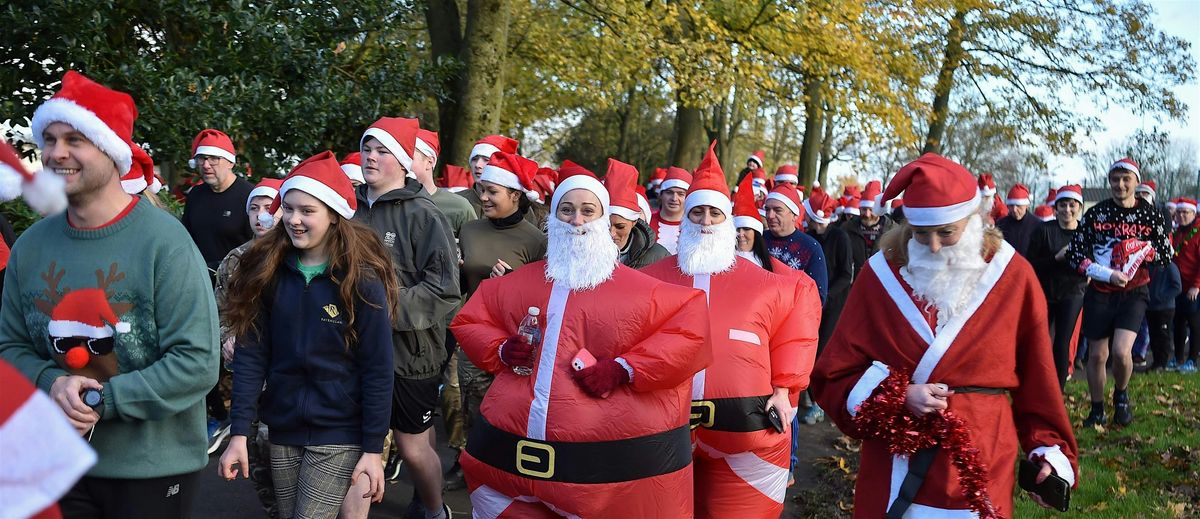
[83, 323]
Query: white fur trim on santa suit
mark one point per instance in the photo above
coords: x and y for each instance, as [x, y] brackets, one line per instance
[1068, 194]
[625, 213]
[390, 143]
[483, 149]
[1185, 206]
[748, 222]
[86, 122]
[266, 191]
[425, 149]
[489, 503]
[77, 329]
[701, 282]
[862, 390]
[214, 151]
[319, 190]
[1016, 201]
[707, 197]
[354, 172]
[816, 216]
[578, 182]
[932, 216]
[1057, 460]
[786, 202]
[538, 409]
[674, 182]
[787, 177]
[766, 477]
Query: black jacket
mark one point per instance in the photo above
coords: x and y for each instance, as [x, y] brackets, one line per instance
[1059, 281]
[643, 248]
[426, 259]
[1017, 232]
[861, 248]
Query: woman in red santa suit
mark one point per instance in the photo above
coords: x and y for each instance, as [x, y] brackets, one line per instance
[608, 440]
[956, 372]
[764, 338]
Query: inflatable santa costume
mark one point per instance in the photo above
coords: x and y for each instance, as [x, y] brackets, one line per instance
[764, 339]
[964, 320]
[609, 440]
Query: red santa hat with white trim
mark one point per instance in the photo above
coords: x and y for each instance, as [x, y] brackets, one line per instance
[708, 185]
[745, 210]
[544, 181]
[512, 171]
[490, 145]
[268, 187]
[458, 178]
[351, 165]
[787, 173]
[851, 198]
[937, 191]
[103, 115]
[85, 313]
[1044, 213]
[1148, 187]
[620, 180]
[213, 143]
[322, 177]
[871, 195]
[427, 143]
[572, 176]
[787, 194]
[758, 157]
[1050, 196]
[644, 203]
[398, 135]
[676, 177]
[987, 184]
[43, 191]
[1185, 204]
[660, 174]
[1018, 195]
[820, 206]
[1069, 192]
[1127, 164]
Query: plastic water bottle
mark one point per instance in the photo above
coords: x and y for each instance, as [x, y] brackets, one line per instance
[530, 334]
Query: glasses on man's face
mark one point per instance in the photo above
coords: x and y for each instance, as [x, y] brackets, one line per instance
[211, 160]
[101, 346]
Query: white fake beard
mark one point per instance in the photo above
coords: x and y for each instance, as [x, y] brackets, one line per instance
[946, 280]
[707, 249]
[581, 257]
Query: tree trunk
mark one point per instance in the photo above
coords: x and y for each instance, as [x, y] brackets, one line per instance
[445, 43]
[810, 146]
[483, 58]
[688, 145]
[945, 84]
[826, 151]
[624, 119]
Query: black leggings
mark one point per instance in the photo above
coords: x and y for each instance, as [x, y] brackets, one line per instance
[1161, 323]
[1063, 314]
[1187, 322]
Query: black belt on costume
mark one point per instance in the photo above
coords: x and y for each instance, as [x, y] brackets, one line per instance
[739, 414]
[581, 462]
[982, 390]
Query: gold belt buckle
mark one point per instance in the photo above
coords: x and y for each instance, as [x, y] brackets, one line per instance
[704, 413]
[532, 456]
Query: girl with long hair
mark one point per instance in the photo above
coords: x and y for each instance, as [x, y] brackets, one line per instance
[310, 304]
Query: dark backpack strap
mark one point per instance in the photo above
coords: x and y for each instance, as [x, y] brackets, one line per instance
[918, 466]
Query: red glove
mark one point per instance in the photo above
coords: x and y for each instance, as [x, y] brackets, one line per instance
[515, 352]
[600, 379]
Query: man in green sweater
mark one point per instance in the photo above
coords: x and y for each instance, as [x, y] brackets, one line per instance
[108, 309]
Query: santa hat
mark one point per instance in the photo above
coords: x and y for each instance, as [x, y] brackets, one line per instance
[427, 143]
[544, 180]
[708, 185]
[870, 195]
[268, 187]
[1185, 204]
[492, 144]
[819, 206]
[1148, 187]
[1018, 195]
[659, 175]
[676, 177]
[787, 173]
[896, 203]
[576, 177]
[758, 156]
[398, 135]
[140, 176]
[937, 191]
[787, 194]
[320, 176]
[458, 178]
[213, 143]
[620, 181]
[43, 455]
[1127, 164]
[1050, 197]
[1044, 213]
[644, 204]
[1172, 204]
[745, 210]
[352, 166]
[43, 191]
[999, 210]
[987, 184]
[85, 313]
[512, 171]
[850, 205]
[1069, 191]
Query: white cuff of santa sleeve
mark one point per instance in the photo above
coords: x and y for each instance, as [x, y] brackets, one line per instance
[1057, 460]
[866, 385]
[625, 364]
[1099, 272]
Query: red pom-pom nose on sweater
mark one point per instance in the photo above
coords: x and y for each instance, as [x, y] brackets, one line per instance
[78, 357]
